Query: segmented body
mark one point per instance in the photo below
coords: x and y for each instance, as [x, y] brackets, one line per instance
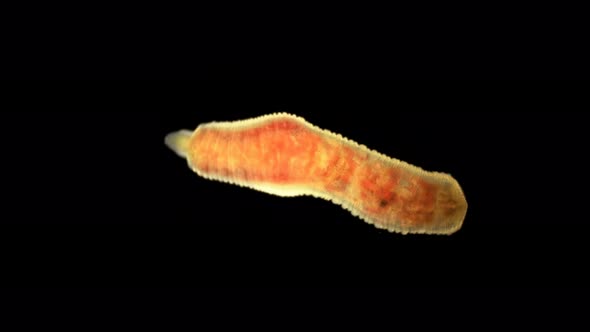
[283, 154]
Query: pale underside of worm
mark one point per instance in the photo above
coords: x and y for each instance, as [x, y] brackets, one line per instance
[284, 155]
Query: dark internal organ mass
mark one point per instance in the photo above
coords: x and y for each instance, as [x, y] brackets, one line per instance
[390, 191]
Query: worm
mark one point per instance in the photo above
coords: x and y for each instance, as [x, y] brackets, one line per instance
[284, 155]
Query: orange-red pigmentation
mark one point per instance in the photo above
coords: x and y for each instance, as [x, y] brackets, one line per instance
[283, 154]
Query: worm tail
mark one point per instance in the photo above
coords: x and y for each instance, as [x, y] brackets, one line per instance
[178, 142]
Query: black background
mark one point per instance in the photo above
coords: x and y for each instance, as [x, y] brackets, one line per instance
[199, 41]
[93, 198]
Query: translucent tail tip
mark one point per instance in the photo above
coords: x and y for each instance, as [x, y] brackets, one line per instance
[178, 142]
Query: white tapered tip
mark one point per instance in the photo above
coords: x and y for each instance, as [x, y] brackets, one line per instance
[178, 142]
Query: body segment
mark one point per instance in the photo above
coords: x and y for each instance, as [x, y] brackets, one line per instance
[284, 155]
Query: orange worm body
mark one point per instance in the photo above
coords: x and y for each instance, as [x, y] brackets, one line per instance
[284, 155]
